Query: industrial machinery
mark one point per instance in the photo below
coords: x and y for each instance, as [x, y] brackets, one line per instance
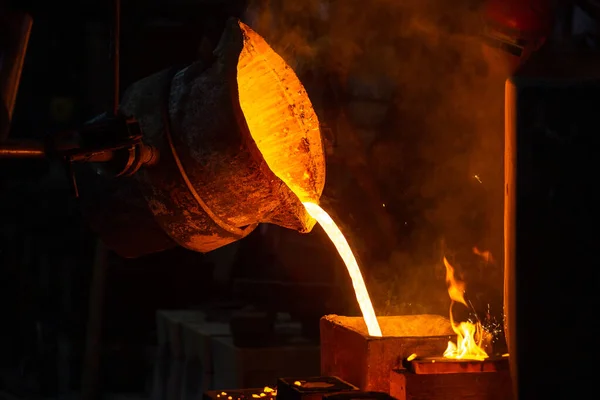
[195, 156]
[198, 156]
[551, 284]
[517, 28]
[14, 37]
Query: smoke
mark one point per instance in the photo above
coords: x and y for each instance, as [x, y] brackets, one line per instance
[436, 157]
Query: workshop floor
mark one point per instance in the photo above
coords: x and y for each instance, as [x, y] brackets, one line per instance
[76, 396]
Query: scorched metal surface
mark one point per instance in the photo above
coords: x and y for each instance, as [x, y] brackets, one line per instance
[313, 388]
[347, 351]
[220, 171]
[405, 385]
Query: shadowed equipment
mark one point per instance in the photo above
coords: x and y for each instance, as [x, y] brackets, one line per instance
[204, 153]
[239, 144]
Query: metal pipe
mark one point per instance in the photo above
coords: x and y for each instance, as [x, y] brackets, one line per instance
[37, 151]
[18, 27]
[100, 156]
[19, 151]
[117, 55]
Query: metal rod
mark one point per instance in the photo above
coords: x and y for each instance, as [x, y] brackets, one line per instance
[93, 346]
[18, 151]
[33, 151]
[116, 55]
[19, 27]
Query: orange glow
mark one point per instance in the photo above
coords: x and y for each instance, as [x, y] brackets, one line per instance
[267, 392]
[469, 335]
[338, 239]
[280, 117]
[486, 255]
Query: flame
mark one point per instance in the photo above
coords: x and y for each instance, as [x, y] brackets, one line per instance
[456, 288]
[338, 239]
[485, 254]
[469, 335]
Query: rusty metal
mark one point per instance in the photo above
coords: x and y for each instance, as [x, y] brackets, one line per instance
[166, 191]
[25, 150]
[311, 388]
[194, 193]
[19, 151]
[114, 142]
[212, 185]
[441, 365]
[347, 351]
[405, 385]
[358, 396]
[16, 29]
[143, 155]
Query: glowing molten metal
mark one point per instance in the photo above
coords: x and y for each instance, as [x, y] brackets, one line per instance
[469, 335]
[338, 239]
[285, 129]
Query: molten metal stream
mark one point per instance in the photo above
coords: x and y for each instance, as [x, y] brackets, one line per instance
[338, 239]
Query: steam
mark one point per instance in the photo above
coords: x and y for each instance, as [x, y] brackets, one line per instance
[440, 153]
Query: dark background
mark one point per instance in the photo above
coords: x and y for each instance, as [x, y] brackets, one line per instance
[46, 250]
[399, 219]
